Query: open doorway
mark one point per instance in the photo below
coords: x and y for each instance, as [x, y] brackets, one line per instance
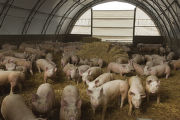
[115, 22]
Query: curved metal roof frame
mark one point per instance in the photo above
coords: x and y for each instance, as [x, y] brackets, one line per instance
[165, 14]
[93, 3]
[161, 17]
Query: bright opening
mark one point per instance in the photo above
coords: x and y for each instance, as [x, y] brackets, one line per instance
[114, 22]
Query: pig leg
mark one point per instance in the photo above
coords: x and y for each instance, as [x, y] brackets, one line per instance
[39, 69]
[20, 87]
[45, 78]
[130, 106]
[31, 71]
[104, 110]
[122, 100]
[147, 97]
[158, 98]
[167, 75]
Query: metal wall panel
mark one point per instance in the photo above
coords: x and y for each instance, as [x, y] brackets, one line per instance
[113, 14]
[112, 22]
[144, 26]
[113, 25]
[112, 32]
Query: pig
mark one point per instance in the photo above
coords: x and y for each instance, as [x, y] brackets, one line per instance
[120, 68]
[70, 70]
[48, 68]
[20, 62]
[138, 58]
[14, 108]
[74, 74]
[65, 59]
[103, 78]
[122, 60]
[150, 63]
[70, 104]
[91, 74]
[126, 48]
[148, 57]
[21, 55]
[12, 77]
[175, 64]
[107, 92]
[158, 70]
[162, 51]
[74, 59]
[9, 47]
[44, 99]
[37, 52]
[168, 49]
[21, 68]
[96, 62]
[82, 69]
[83, 61]
[170, 56]
[138, 68]
[49, 56]
[136, 93]
[10, 66]
[153, 87]
[25, 45]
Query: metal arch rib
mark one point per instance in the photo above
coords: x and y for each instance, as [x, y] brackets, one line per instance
[160, 18]
[51, 15]
[69, 28]
[5, 10]
[171, 13]
[169, 22]
[59, 26]
[31, 15]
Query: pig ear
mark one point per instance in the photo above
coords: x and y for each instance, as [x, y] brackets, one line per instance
[34, 97]
[79, 102]
[89, 92]
[89, 72]
[96, 82]
[131, 93]
[143, 96]
[149, 81]
[63, 103]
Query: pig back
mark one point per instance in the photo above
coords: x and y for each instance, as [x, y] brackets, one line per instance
[136, 85]
[114, 88]
[70, 94]
[18, 111]
[43, 64]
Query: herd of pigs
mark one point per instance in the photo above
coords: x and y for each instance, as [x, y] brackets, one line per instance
[17, 62]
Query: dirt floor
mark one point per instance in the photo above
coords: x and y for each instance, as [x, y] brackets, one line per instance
[168, 109]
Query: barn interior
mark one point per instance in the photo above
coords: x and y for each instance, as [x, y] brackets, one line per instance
[56, 26]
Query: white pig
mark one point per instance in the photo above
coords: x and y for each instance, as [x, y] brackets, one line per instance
[120, 68]
[12, 77]
[14, 108]
[91, 74]
[70, 104]
[82, 69]
[136, 93]
[107, 92]
[103, 78]
[48, 68]
[153, 87]
[44, 99]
